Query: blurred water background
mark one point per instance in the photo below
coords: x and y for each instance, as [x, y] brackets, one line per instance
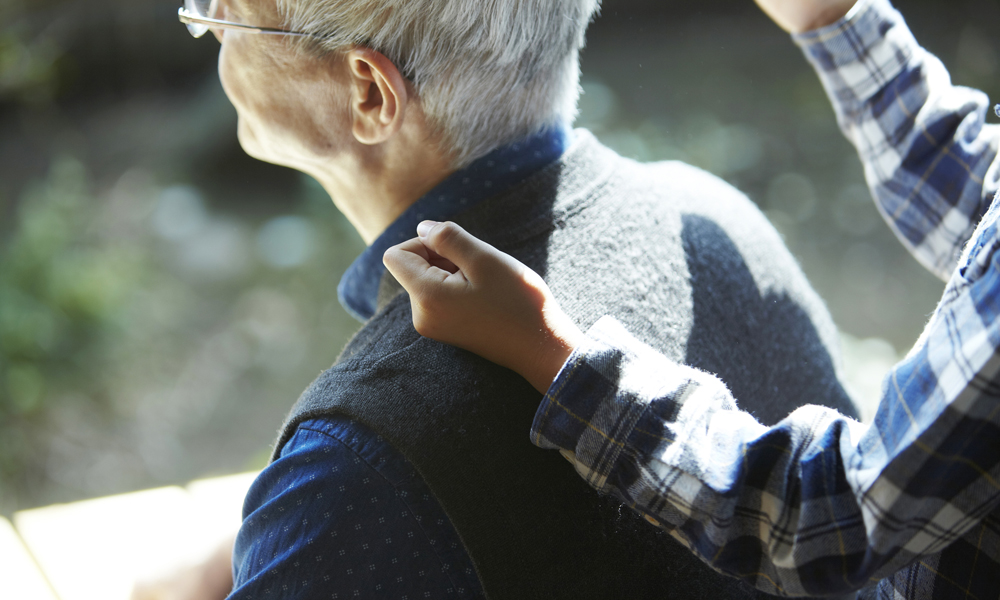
[164, 298]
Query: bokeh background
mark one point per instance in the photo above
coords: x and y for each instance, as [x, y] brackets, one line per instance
[164, 298]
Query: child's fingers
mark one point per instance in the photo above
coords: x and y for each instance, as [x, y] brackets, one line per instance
[449, 241]
[412, 264]
[434, 285]
[436, 260]
[431, 257]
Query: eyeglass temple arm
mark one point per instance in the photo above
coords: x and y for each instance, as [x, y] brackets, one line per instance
[186, 16]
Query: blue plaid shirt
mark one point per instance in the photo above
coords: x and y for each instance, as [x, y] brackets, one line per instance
[905, 507]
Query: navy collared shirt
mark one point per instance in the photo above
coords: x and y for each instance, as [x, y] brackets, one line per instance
[342, 514]
[496, 172]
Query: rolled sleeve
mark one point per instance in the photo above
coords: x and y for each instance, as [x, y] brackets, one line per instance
[857, 56]
[615, 393]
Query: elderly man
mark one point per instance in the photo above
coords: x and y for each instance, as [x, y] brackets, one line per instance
[403, 471]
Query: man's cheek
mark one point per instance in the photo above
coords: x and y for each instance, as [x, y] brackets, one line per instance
[238, 75]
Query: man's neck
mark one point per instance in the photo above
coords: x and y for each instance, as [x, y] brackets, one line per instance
[374, 193]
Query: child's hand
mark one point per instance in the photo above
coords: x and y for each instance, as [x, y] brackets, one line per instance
[467, 293]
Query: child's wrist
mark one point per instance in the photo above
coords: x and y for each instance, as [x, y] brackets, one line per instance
[562, 338]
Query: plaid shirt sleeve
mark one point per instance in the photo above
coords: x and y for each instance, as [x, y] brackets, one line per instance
[820, 504]
[927, 152]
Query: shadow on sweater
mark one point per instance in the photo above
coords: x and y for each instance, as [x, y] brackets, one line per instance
[761, 358]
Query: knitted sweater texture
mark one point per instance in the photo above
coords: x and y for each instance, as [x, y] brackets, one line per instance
[679, 257]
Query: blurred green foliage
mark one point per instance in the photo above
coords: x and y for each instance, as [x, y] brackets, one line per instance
[63, 286]
[27, 68]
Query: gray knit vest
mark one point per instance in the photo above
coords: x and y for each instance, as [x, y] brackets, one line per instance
[683, 261]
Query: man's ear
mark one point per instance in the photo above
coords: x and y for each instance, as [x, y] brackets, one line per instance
[378, 96]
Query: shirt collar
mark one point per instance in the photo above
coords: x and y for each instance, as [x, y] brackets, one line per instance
[488, 176]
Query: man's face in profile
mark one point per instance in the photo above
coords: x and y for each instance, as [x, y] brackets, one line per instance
[290, 103]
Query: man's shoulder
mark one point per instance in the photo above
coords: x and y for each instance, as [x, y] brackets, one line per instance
[387, 348]
[595, 175]
[388, 373]
[680, 186]
[674, 175]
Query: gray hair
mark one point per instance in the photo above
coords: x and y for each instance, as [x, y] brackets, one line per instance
[487, 72]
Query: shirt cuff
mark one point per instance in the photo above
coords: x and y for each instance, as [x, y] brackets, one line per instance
[600, 394]
[858, 55]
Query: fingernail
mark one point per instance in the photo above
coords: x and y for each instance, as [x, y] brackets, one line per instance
[425, 227]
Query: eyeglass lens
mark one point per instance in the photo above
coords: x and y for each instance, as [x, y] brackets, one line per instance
[206, 9]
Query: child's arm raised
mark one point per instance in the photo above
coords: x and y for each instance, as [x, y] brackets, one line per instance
[467, 293]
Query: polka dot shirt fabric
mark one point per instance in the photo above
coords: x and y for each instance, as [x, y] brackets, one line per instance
[342, 515]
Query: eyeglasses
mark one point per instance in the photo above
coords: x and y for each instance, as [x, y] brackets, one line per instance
[198, 16]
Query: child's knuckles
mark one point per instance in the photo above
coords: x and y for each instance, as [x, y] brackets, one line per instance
[442, 235]
[390, 258]
[449, 238]
[429, 290]
[399, 270]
